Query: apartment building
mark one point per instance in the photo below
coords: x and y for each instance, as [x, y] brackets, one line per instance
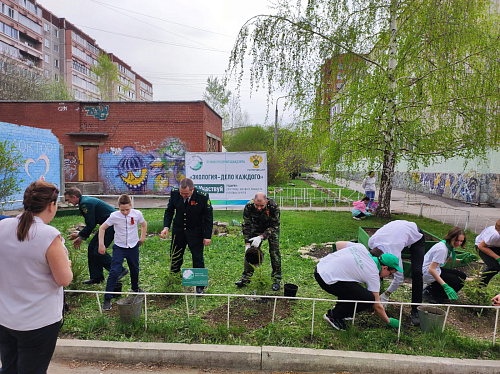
[43, 43]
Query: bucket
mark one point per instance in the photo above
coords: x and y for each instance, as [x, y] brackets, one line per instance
[431, 318]
[130, 308]
[118, 288]
[290, 289]
[254, 256]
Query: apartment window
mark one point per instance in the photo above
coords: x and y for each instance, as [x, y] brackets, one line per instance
[56, 47]
[47, 73]
[56, 33]
[47, 43]
[56, 77]
[47, 59]
[56, 63]
[46, 27]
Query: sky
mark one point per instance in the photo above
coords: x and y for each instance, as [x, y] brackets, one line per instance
[175, 44]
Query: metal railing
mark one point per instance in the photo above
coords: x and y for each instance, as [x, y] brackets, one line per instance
[312, 196]
[314, 300]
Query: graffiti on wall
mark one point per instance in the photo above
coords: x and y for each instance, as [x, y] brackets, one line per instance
[37, 169]
[71, 167]
[456, 186]
[128, 170]
[100, 112]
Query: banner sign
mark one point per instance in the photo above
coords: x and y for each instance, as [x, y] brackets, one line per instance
[231, 178]
[195, 277]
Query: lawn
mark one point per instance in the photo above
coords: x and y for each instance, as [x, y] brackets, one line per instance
[251, 319]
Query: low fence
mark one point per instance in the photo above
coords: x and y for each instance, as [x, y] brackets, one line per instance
[275, 298]
[313, 196]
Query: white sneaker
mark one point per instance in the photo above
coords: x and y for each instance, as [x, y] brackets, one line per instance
[356, 218]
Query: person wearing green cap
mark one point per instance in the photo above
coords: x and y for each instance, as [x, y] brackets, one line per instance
[444, 283]
[340, 274]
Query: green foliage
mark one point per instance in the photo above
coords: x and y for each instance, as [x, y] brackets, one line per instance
[108, 77]
[475, 291]
[10, 162]
[381, 82]
[218, 97]
[58, 90]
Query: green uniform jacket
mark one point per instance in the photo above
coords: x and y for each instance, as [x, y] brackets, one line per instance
[197, 218]
[265, 223]
[95, 212]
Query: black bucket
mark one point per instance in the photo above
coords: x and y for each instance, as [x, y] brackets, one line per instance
[254, 256]
[290, 289]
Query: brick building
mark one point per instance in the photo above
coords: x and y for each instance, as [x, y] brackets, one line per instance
[128, 147]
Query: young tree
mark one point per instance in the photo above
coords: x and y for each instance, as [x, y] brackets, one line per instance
[107, 77]
[10, 160]
[419, 78]
[218, 97]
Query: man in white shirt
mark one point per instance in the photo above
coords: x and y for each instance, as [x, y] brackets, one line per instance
[392, 238]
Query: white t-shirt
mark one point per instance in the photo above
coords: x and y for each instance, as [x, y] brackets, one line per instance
[30, 298]
[126, 230]
[392, 238]
[351, 264]
[438, 253]
[490, 236]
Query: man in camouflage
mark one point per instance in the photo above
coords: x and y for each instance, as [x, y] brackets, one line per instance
[261, 221]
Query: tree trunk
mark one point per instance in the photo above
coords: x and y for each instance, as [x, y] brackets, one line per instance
[384, 195]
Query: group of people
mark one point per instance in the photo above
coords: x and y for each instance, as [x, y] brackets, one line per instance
[35, 265]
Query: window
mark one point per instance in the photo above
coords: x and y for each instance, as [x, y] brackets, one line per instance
[56, 77]
[47, 73]
[25, 21]
[47, 43]
[56, 47]
[56, 33]
[46, 27]
[47, 59]
[56, 63]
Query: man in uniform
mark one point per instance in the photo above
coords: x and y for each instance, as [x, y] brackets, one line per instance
[192, 225]
[95, 212]
[261, 221]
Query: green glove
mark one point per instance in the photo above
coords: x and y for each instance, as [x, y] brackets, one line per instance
[498, 260]
[465, 258]
[450, 292]
[393, 322]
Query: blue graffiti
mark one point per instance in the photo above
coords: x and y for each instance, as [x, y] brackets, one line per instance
[100, 112]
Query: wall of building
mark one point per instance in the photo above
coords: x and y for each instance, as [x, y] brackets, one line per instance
[141, 145]
[39, 149]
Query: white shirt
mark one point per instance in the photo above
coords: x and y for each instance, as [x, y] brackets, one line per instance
[351, 264]
[29, 296]
[490, 236]
[126, 230]
[369, 184]
[439, 254]
[392, 238]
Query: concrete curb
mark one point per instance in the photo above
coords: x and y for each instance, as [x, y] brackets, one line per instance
[266, 358]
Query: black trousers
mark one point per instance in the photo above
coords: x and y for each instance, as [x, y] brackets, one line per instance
[28, 352]
[180, 240]
[346, 291]
[417, 253]
[492, 267]
[98, 262]
[454, 278]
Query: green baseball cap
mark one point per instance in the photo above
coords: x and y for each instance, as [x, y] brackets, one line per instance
[391, 261]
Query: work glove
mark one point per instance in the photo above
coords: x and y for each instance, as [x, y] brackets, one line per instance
[256, 240]
[450, 292]
[384, 299]
[466, 258]
[498, 260]
[393, 322]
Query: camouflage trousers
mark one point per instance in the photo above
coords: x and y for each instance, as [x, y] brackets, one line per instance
[274, 253]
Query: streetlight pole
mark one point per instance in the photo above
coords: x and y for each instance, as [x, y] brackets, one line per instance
[276, 124]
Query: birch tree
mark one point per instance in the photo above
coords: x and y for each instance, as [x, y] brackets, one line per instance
[381, 81]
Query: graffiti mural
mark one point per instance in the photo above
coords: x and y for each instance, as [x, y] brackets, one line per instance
[460, 186]
[127, 170]
[71, 167]
[100, 112]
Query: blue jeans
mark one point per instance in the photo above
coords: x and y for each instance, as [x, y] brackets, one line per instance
[132, 257]
[371, 195]
[28, 351]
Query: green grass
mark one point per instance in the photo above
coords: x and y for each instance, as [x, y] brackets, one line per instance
[168, 321]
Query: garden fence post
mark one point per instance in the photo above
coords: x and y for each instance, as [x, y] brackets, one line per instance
[495, 330]
[421, 209]
[145, 312]
[467, 219]
[312, 319]
[400, 317]
[228, 312]
[187, 306]
[274, 309]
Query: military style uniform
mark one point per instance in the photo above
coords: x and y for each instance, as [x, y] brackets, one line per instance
[192, 223]
[266, 223]
[95, 212]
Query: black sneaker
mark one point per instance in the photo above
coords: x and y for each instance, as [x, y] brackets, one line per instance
[276, 286]
[427, 296]
[122, 274]
[199, 290]
[106, 305]
[94, 281]
[336, 323]
[415, 321]
[138, 289]
[242, 283]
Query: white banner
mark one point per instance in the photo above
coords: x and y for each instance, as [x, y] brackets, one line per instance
[231, 178]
